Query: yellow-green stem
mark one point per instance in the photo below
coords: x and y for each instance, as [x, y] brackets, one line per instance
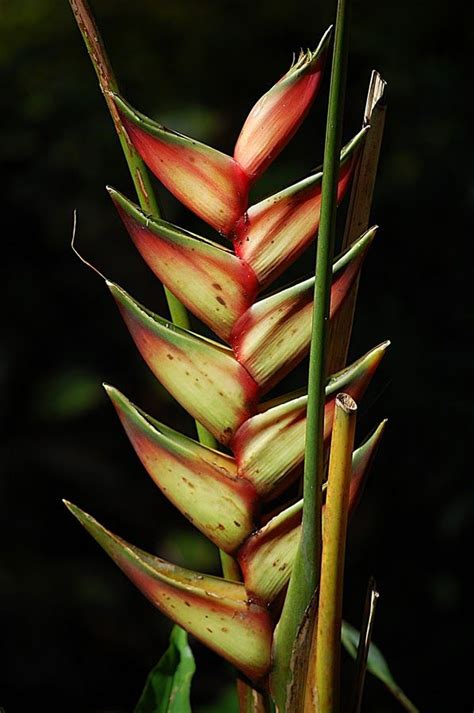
[324, 683]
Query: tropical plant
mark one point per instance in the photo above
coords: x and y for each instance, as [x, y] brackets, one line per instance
[255, 483]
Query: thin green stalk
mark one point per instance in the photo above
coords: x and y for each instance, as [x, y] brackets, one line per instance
[306, 570]
[324, 677]
[108, 83]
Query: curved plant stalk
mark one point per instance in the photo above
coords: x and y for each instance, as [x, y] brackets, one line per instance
[323, 692]
[306, 571]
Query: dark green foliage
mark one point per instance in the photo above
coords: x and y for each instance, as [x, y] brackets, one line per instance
[168, 686]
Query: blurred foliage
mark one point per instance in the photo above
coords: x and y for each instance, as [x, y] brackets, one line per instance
[76, 635]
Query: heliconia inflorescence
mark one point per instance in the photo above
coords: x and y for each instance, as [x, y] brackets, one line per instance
[222, 384]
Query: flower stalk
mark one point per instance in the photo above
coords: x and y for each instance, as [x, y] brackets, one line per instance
[306, 571]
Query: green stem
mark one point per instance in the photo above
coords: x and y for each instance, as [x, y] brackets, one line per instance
[108, 83]
[325, 683]
[306, 570]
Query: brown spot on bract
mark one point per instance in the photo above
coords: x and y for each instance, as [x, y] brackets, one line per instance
[187, 603]
[221, 300]
[224, 628]
[170, 357]
[237, 524]
[209, 630]
[216, 286]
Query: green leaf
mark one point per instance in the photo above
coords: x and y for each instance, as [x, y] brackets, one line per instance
[226, 703]
[168, 685]
[376, 664]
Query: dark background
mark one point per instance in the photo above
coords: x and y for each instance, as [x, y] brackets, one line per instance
[75, 634]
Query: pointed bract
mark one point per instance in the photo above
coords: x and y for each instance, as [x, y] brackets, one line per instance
[214, 284]
[274, 232]
[203, 376]
[201, 482]
[267, 557]
[277, 115]
[207, 181]
[214, 610]
[275, 333]
[270, 445]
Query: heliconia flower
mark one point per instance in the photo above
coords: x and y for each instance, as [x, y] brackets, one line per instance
[274, 334]
[274, 232]
[278, 114]
[228, 497]
[210, 183]
[202, 375]
[217, 611]
[269, 446]
[200, 481]
[210, 280]
[267, 557]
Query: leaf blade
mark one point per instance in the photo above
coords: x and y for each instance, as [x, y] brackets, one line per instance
[168, 686]
[376, 664]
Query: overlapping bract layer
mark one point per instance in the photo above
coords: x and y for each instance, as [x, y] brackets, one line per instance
[222, 385]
